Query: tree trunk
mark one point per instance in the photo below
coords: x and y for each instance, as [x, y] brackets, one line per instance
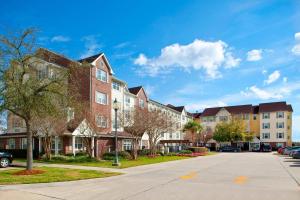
[29, 146]
[135, 149]
[47, 147]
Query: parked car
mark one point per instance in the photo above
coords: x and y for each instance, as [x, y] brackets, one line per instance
[296, 154]
[280, 150]
[229, 149]
[267, 148]
[289, 149]
[5, 159]
[294, 151]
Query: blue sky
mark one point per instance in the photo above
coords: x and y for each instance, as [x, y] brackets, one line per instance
[193, 53]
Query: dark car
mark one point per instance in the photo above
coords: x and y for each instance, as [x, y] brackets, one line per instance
[229, 149]
[267, 148]
[5, 159]
[296, 154]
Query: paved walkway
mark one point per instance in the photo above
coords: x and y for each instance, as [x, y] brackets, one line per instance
[225, 176]
[23, 164]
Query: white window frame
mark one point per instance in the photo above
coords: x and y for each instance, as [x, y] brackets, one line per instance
[263, 126]
[280, 125]
[127, 145]
[116, 86]
[264, 134]
[78, 142]
[280, 133]
[101, 75]
[100, 100]
[280, 114]
[101, 121]
[266, 115]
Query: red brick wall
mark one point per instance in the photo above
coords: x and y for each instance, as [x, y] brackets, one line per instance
[104, 87]
[142, 95]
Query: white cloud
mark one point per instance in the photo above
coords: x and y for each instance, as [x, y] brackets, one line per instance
[199, 106]
[297, 36]
[278, 92]
[92, 46]
[60, 38]
[197, 55]
[254, 55]
[272, 77]
[296, 49]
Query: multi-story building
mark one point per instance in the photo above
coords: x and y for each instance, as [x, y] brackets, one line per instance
[270, 122]
[99, 88]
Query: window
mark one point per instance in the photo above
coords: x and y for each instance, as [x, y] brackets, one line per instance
[59, 145]
[78, 143]
[170, 135]
[266, 125]
[177, 136]
[127, 145]
[280, 125]
[42, 74]
[127, 100]
[280, 114]
[23, 143]
[266, 135]
[245, 116]
[101, 121]
[141, 103]
[11, 143]
[116, 86]
[280, 135]
[178, 125]
[223, 118]
[254, 117]
[266, 115]
[101, 98]
[183, 117]
[101, 75]
[162, 135]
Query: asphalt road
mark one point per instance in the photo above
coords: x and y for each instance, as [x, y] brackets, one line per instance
[247, 176]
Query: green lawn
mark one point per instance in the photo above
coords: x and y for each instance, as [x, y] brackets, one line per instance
[51, 175]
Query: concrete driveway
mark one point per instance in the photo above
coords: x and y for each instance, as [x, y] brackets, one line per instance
[259, 176]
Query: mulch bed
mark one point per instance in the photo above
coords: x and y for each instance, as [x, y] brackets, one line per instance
[29, 172]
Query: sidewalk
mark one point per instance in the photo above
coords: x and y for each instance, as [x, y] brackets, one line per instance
[292, 166]
[23, 164]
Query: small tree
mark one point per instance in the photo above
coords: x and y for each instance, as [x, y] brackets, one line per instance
[47, 128]
[135, 123]
[158, 123]
[193, 130]
[24, 91]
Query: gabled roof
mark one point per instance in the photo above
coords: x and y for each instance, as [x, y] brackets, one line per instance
[274, 106]
[90, 59]
[177, 108]
[196, 115]
[231, 109]
[135, 90]
[55, 58]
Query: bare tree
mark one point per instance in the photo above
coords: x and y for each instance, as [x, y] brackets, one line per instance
[158, 123]
[47, 128]
[25, 90]
[135, 122]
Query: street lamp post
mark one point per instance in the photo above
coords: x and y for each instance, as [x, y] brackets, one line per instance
[116, 107]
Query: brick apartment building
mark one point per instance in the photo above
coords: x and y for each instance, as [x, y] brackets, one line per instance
[100, 88]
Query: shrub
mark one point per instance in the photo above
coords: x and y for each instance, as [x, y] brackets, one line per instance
[122, 155]
[198, 149]
[185, 152]
[171, 154]
[144, 152]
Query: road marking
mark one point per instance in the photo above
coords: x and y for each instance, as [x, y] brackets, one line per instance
[189, 176]
[240, 180]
